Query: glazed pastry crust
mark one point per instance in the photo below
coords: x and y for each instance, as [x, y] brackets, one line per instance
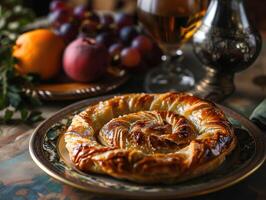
[150, 138]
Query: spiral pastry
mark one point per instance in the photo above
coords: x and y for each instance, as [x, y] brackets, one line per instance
[150, 138]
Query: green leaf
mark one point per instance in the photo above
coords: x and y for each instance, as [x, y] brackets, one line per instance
[35, 101]
[24, 114]
[14, 99]
[8, 115]
[35, 116]
[13, 18]
[3, 102]
[32, 78]
[14, 89]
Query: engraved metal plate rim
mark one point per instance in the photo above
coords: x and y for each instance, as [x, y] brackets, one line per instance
[77, 94]
[38, 138]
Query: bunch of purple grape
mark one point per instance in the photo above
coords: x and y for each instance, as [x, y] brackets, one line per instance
[119, 33]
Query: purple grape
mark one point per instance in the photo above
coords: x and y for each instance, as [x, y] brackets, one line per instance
[127, 34]
[107, 39]
[115, 49]
[68, 31]
[88, 28]
[106, 19]
[59, 17]
[57, 5]
[130, 57]
[122, 20]
[114, 52]
[80, 11]
[143, 43]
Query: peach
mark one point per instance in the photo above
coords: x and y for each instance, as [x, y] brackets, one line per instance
[84, 60]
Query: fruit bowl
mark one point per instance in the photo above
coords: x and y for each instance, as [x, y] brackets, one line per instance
[101, 50]
[65, 89]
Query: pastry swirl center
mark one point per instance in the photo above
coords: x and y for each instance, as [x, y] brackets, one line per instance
[148, 131]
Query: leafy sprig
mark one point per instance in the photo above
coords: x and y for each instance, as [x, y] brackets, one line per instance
[13, 95]
[14, 17]
[14, 98]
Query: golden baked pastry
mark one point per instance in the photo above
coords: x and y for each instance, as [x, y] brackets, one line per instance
[150, 138]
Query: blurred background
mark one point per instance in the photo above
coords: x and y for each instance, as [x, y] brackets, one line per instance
[256, 8]
[41, 7]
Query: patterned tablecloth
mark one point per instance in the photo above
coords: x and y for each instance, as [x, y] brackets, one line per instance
[21, 178]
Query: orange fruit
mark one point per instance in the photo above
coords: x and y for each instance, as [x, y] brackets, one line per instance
[39, 52]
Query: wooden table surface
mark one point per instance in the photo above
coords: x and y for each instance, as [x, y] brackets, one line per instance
[20, 178]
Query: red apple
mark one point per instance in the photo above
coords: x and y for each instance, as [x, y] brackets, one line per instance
[84, 60]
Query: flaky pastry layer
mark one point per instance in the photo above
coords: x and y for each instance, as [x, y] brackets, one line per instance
[150, 138]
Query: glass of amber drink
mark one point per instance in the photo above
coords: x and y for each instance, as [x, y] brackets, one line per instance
[171, 23]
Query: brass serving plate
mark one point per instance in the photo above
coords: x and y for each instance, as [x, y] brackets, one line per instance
[59, 90]
[48, 151]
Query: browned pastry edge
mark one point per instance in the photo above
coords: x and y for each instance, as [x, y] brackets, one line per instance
[199, 157]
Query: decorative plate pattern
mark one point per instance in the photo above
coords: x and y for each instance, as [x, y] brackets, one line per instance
[66, 90]
[47, 149]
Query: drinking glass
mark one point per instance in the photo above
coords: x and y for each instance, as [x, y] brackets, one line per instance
[171, 23]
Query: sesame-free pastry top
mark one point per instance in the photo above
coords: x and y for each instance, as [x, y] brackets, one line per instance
[150, 138]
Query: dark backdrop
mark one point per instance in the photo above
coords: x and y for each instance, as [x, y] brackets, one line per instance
[256, 9]
[41, 7]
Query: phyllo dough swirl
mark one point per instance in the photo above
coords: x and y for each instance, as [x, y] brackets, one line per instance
[150, 138]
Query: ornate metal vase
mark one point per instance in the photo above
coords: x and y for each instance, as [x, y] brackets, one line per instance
[225, 43]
